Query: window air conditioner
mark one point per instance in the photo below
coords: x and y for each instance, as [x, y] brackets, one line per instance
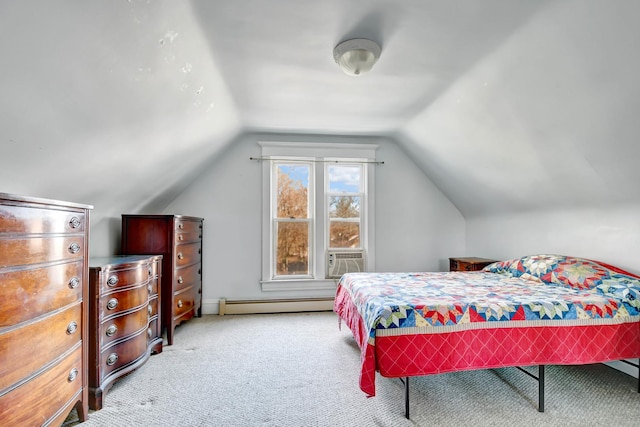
[341, 262]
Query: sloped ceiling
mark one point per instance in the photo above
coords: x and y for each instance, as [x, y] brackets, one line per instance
[506, 105]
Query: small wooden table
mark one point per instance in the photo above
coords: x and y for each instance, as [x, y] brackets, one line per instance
[469, 263]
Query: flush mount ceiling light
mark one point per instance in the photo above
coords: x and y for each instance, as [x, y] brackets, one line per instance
[356, 56]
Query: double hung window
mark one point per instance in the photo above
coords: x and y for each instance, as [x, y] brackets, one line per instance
[317, 197]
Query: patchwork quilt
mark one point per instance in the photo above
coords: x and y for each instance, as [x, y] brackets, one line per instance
[537, 291]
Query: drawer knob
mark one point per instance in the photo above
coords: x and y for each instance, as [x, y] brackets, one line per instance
[74, 282]
[111, 330]
[150, 288]
[199, 250]
[112, 303]
[150, 271]
[180, 303]
[72, 327]
[112, 359]
[150, 333]
[73, 374]
[74, 248]
[180, 237]
[112, 280]
[150, 309]
[180, 279]
[180, 256]
[180, 226]
[74, 222]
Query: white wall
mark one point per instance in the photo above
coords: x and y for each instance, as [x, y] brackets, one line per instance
[111, 104]
[417, 228]
[609, 235]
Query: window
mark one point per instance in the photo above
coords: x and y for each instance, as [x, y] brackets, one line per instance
[292, 188]
[316, 197]
[344, 192]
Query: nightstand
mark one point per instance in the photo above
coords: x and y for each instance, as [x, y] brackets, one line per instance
[468, 263]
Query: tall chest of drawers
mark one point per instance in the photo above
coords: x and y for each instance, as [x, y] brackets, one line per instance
[43, 310]
[124, 319]
[178, 239]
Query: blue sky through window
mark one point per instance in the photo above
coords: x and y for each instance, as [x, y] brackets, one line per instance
[344, 178]
[297, 173]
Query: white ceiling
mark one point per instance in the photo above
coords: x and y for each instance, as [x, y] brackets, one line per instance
[506, 105]
[277, 57]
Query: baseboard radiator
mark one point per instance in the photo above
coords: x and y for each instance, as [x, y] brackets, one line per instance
[274, 305]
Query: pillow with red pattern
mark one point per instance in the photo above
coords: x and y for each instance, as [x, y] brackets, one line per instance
[573, 272]
[499, 266]
[530, 266]
[578, 273]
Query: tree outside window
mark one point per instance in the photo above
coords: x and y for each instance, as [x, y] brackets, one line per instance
[344, 195]
[292, 220]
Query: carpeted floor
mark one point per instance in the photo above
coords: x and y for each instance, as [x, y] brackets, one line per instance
[300, 370]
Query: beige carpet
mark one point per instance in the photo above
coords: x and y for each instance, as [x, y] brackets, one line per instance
[300, 370]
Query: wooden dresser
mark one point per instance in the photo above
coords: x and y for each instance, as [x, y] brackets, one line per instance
[178, 239]
[469, 263]
[43, 310]
[124, 327]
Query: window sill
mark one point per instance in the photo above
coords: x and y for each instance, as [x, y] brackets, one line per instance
[299, 285]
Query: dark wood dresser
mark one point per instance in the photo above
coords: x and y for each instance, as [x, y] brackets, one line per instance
[124, 319]
[468, 263]
[43, 310]
[178, 239]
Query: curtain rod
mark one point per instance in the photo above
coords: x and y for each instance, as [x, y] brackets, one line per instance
[316, 161]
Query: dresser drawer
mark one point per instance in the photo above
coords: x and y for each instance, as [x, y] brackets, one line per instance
[40, 249]
[155, 266]
[45, 394]
[187, 276]
[123, 325]
[153, 331]
[119, 278]
[117, 302]
[122, 354]
[23, 219]
[42, 289]
[152, 308]
[49, 337]
[183, 301]
[152, 287]
[188, 254]
[188, 231]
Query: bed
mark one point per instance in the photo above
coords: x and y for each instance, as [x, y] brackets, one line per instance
[530, 311]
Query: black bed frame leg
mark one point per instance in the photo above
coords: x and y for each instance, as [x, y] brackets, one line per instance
[541, 388]
[406, 397]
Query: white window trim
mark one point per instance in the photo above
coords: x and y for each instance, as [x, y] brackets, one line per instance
[271, 149]
[312, 222]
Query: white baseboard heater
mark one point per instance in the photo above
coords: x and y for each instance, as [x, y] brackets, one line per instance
[274, 305]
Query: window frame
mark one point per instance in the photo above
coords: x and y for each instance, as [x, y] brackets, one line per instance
[275, 220]
[318, 153]
[362, 194]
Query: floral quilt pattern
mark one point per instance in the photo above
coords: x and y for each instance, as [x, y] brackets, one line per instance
[537, 304]
[463, 300]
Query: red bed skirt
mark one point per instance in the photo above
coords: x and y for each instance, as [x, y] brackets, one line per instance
[425, 354]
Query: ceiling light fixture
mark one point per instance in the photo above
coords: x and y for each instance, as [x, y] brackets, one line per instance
[356, 56]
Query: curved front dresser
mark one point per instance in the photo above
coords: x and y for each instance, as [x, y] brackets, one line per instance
[43, 310]
[124, 325]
